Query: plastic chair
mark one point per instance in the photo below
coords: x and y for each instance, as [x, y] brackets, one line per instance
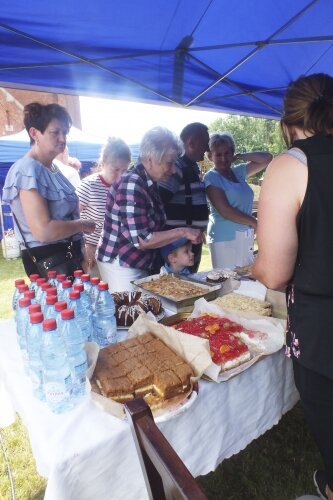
[165, 474]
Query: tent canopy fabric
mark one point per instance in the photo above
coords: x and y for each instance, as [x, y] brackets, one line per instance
[236, 57]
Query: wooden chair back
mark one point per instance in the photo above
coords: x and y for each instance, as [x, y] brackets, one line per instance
[166, 476]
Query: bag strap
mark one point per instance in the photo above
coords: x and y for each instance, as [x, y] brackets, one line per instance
[188, 196]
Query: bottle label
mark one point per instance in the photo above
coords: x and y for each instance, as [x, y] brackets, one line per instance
[57, 391]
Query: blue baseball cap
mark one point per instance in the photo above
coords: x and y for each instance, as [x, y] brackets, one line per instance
[167, 249]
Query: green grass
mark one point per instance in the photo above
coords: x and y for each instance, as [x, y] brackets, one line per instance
[277, 466]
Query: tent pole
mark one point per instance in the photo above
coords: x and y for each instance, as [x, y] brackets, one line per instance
[3, 230]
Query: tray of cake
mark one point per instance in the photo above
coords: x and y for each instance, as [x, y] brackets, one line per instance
[236, 339]
[130, 304]
[147, 365]
[177, 293]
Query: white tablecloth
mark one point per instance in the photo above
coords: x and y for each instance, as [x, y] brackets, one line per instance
[89, 455]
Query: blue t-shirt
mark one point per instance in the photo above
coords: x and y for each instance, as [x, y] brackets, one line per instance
[239, 195]
[62, 201]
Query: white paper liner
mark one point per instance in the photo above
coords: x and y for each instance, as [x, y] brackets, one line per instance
[273, 327]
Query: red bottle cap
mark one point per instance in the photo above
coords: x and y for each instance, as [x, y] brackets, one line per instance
[30, 294]
[61, 277]
[36, 317]
[49, 324]
[85, 277]
[51, 291]
[39, 281]
[60, 306]
[75, 294]
[102, 285]
[79, 287]
[24, 302]
[67, 314]
[45, 285]
[95, 281]
[33, 277]
[78, 273]
[34, 308]
[51, 274]
[23, 288]
[67, 284]
[19, 282]
[51, 299]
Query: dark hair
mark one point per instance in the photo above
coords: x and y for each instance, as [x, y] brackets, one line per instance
[193, 130]
[308, 105]
[39, 116]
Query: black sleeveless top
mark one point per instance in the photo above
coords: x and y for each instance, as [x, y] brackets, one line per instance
[310, 293]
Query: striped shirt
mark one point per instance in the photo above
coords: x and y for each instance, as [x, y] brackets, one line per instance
[92, 193]
[133, 210]
[185, 207]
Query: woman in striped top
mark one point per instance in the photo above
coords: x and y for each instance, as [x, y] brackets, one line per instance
[92, 192]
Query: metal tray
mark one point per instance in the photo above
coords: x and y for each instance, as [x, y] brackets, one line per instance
[209, 292]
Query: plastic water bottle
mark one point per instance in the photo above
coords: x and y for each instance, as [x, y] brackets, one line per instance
[21, 291]
[93, 291]
[60, 279]
[77, 277]
[39, 291]
[66, 290]
[76, 355]
[57, 378]
[105, 326]
[52, 278]
[33, 282]
[82, 316]
[17, 283]
[34, 341]
[58, 307]
[85, 299]
[44, 286]
[22, 321]
[30, 294]
[85, 278]
[49, 311]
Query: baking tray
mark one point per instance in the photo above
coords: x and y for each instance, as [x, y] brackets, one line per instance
[209, 292]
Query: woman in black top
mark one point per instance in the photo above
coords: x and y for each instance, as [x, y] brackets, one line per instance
[295, 236]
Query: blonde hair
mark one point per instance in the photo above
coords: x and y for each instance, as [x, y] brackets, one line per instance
[308, 105]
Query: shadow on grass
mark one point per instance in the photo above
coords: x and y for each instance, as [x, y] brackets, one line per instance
[277, 466]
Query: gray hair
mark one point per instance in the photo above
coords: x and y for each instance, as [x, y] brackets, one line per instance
[158, 142]
[114, 149]
[221, 138]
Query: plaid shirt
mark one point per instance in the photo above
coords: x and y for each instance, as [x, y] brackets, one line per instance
[133, 210]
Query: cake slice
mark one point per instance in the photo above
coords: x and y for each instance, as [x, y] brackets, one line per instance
[184, 372]
[167, 384]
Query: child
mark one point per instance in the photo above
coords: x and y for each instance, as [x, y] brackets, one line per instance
[177, 256]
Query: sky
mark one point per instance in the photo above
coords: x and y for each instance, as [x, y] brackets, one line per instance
[130, 120]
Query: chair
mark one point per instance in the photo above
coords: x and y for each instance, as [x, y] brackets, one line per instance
[165, 474]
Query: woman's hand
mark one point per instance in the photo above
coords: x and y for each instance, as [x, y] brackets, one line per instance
[194, 235]
[88, 226]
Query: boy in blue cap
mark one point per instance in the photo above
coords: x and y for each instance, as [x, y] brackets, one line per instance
[178, 256]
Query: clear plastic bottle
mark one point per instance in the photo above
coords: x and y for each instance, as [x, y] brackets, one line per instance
[58, 307]
[77, 277]
[39, 291]
[57, 378]
[85, 299]
[82, 316]
[66, 290]
[30, 294]
[33, 282]
[105, 326]
[21, 290]
[34, 341]
[60, 279]
[22, 321]
[44, 286]
[76, 355]
[16, 293]
[85, 278]
[49, 311]
[93, 291]
[52, 278]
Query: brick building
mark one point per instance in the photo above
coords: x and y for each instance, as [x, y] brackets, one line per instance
[12, 102]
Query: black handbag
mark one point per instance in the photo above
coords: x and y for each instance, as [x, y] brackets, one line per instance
[63, 261]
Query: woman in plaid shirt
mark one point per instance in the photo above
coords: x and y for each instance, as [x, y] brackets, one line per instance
[135, 217]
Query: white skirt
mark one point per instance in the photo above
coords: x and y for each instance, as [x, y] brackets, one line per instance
[119, 277]
[237, 252]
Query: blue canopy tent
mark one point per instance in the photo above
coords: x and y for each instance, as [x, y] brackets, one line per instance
[215, 54]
